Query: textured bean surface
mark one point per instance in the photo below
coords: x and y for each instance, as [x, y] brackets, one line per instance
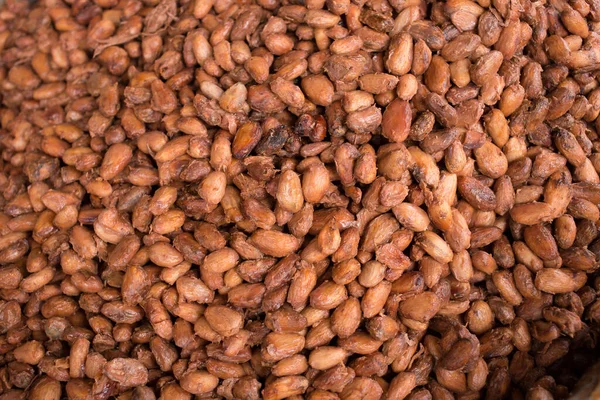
[320, 199]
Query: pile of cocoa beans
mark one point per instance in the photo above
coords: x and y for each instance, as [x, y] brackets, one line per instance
[298, 199]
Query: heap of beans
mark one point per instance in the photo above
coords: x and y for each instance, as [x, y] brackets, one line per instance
[300, 199]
